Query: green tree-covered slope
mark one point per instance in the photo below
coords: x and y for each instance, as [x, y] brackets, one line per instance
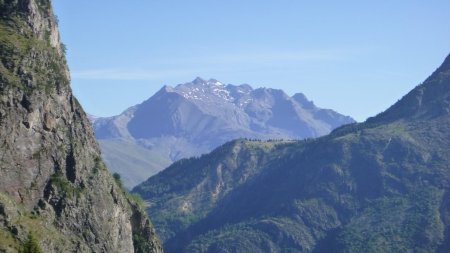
[378, 186]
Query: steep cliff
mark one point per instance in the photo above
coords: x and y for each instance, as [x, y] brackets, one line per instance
[53, 183]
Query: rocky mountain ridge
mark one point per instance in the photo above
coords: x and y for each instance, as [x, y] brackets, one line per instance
[53, 183]
[193, 118]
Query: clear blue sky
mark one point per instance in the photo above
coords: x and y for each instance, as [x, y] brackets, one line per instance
[357, 57]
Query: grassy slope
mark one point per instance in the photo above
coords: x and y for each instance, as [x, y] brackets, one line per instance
[46, 70]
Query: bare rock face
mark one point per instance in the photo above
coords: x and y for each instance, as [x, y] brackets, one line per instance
[53, 182]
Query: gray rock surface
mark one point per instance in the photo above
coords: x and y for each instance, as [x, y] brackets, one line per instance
[53, 182]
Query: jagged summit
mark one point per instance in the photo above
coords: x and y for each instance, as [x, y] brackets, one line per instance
[215, 92]
[211, 91]
[195, 117]
[199, 80]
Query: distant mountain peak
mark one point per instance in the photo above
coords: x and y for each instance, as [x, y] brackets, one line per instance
[204, 82]
[303, 100]
[164, 90]
[195, 117]
[168, 88]
[200, 90]
[199, 80]
[214, 82]
[246, 87]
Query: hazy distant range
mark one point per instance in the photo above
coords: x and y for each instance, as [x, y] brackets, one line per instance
[195, 117]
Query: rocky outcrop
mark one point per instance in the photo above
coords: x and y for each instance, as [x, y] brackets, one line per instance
[38, 16]
[53, 182]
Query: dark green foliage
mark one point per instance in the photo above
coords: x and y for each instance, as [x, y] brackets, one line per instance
[60, 182]
[141, 244]
[136, 198]
[118, 180]
[396, 225]
[133, 197]
[237, 238]
[65, 187]
[64, 48]
[379, 186]
[31, 245]
[375, 189]
[197, 170]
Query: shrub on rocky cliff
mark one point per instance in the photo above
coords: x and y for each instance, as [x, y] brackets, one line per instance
[31, 245]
